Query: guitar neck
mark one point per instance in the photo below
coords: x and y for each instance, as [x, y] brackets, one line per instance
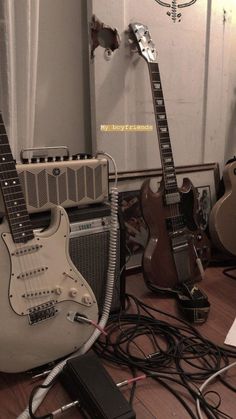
[169, 175]
[17, 214]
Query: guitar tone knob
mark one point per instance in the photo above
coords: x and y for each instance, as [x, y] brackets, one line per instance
[73, 292]
[86, 299]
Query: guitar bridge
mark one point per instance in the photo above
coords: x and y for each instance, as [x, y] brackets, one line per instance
[42, 312]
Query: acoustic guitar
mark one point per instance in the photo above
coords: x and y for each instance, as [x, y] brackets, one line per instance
[42, 295]
[177, 248]
[222, 221]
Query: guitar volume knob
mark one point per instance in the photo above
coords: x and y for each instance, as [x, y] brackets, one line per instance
[86, 299]
[73, 292]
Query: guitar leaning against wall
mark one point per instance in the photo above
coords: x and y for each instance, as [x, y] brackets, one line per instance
[176, 244]
[223, 215]
[41, 292]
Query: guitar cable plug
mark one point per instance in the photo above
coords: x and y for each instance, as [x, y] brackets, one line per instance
[64, 408]
[81, 319]
[124, 383]
[199, 263]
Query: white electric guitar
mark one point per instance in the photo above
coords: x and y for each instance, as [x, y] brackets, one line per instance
[41, 292]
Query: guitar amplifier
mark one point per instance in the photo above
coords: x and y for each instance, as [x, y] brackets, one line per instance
[69, 182]
[89, 249]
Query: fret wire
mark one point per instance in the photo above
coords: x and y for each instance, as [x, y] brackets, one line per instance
[21, 230]
[21, 212]
[9, 170]
[19, 201]
[10, 187]
[23, 237]
[17, 207]
[163, 137]
[19, 221]
[11, 193]
[3, 171]
[22, 221]
[24, 225]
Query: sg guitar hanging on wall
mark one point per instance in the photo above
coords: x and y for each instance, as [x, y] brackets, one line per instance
[176, 245]
[41, 291]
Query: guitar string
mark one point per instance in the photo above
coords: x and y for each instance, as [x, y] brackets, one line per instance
[176, 213]
[38, 284]
[29, 261]
[4, 178]
[172, 207]
[25, 262]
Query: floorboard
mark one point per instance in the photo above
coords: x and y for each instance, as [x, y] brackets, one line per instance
[151, 400]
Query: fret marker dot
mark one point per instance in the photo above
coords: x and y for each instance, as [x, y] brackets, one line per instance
[6, 183]
[20, 225]
[15, 203]
[14, 182]
[23, 234]
[17, 215]
[3, 159]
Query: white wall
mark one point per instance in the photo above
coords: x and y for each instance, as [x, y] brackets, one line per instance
[63, 99]
[197, 63]
[197, 60]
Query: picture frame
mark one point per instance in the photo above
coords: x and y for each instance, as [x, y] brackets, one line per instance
[206, 180]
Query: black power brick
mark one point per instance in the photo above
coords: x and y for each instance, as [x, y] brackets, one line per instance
[86, 380]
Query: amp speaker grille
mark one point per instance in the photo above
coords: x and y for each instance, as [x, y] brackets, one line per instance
[89, 253]
[89, 249]
[69, 183]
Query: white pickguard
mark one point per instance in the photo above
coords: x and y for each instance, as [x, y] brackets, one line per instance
[41, 290]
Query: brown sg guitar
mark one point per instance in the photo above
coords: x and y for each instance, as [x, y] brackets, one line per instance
[223, 215]
[177, 248]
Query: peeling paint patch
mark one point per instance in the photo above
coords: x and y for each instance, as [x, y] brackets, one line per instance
[104, 36]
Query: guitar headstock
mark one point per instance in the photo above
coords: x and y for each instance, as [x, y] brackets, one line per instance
[142, 36]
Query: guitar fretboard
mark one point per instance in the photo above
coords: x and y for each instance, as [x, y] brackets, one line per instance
[169, 175]
[17, 214]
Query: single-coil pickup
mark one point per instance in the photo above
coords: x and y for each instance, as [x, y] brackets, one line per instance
[32, 273]
[37, 294]
[26, 250]
[42, 312]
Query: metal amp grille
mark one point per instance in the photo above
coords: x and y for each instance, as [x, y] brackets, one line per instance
[66, 183]
[89, 253]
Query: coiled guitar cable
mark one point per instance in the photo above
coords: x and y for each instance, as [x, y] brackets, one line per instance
[43, 389]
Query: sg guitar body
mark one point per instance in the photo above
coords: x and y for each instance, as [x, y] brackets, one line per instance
[159, 265]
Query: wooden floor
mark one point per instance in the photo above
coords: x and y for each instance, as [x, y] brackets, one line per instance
[151, 401]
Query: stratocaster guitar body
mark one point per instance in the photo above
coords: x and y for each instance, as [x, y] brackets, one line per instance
[159, 266]
[177, 249]
[223, 215]
[41, 292]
